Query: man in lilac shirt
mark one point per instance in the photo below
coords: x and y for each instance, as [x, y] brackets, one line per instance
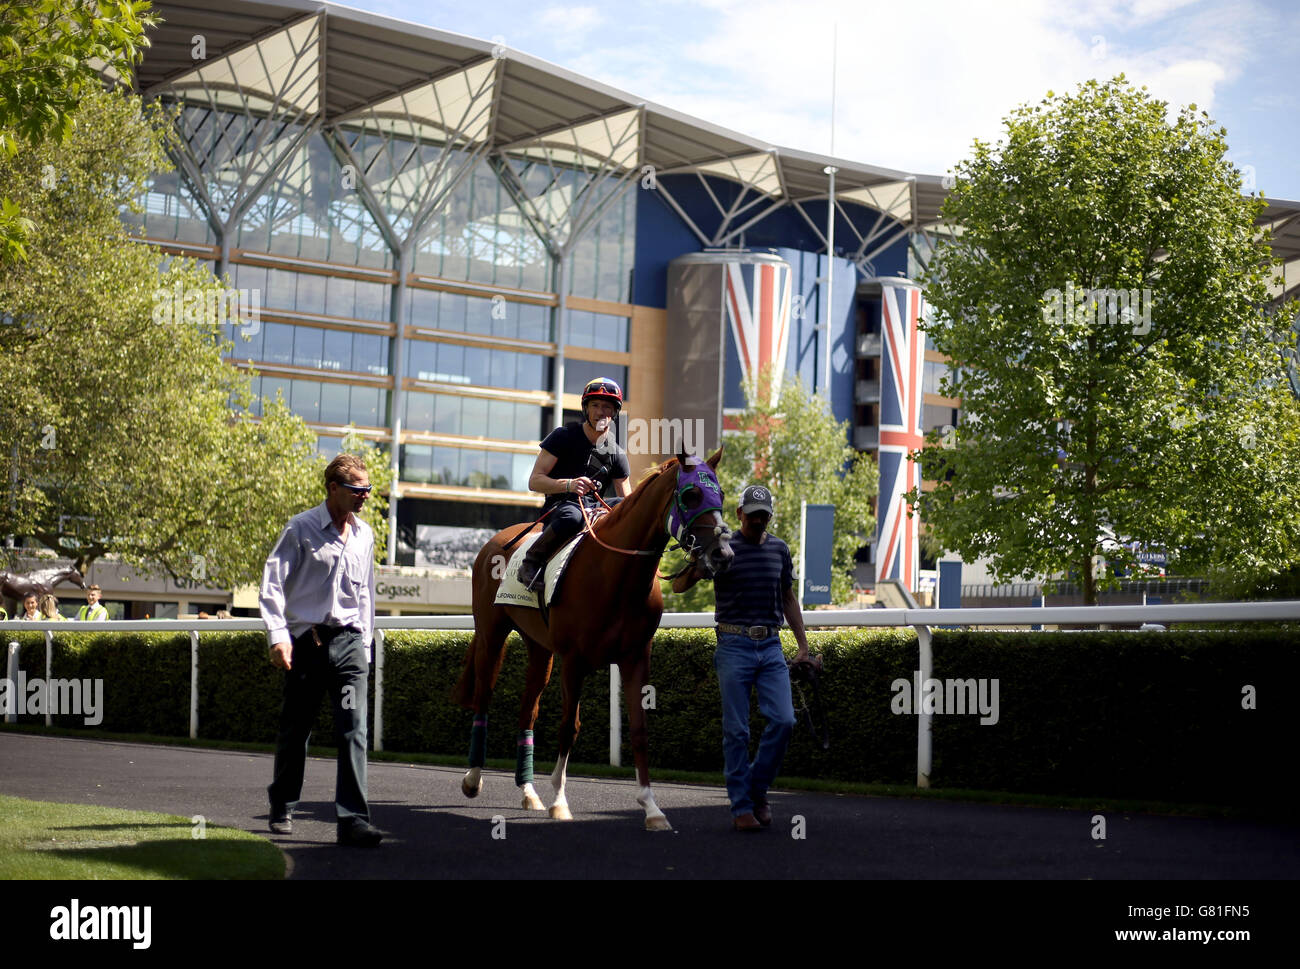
[318, 600]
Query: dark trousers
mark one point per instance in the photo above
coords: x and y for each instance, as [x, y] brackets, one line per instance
[336, 665]
[566, 520]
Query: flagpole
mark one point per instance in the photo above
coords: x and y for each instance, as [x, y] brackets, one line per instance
[830, 228]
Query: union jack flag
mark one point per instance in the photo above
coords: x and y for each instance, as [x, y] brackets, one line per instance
[757, 297]
[901, 386]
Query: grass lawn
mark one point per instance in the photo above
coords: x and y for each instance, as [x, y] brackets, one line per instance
[42, 840]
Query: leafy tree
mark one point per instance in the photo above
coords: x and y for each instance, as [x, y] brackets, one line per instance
[1104, 309]
[126, 433]
[800, 452]
[50, 55]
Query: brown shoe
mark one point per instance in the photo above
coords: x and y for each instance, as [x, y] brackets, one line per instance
[763, 812]
[746, 822]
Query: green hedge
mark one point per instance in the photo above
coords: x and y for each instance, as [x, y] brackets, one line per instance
[1136, 715]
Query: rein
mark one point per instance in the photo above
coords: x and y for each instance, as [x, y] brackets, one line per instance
[587, 527]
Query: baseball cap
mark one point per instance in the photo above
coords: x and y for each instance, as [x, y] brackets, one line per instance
[755, 498]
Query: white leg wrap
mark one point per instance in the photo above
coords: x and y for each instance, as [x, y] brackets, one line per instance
[531, 801]
[654, 818]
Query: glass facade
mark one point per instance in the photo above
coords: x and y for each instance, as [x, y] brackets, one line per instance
[578, 372]
[481, 366]
[601, 266]
[283, 289]
[171, 211]
[483, 315]
[599, 331]
[472, 416]
[300, 345]
[311, 204]
[481, 236]
[313, 211]
[471, 468]
[325, 403]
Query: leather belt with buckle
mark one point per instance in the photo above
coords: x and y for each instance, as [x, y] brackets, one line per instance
[753, 632]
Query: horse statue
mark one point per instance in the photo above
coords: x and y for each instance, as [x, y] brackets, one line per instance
[38, 582]
[605, 611]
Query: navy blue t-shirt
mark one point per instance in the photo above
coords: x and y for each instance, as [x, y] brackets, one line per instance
[751, 591]
[576, 457]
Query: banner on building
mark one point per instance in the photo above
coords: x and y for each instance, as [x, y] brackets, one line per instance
[901, 386]
[816, 549]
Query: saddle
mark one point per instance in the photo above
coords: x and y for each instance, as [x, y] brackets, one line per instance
[511, 592]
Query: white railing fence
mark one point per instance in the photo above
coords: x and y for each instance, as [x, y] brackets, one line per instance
[922, 620]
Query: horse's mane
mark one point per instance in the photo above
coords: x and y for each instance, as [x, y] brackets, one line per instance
[624, 508]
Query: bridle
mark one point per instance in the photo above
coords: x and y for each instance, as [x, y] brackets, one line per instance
[694, 474]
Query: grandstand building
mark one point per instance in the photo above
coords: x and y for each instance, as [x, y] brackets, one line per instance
[447, 238]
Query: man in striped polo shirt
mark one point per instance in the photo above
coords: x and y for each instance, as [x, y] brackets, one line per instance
[753, 597]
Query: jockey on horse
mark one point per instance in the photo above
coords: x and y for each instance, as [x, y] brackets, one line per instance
[576, 462]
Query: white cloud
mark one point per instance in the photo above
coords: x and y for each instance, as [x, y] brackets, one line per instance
[762, 67]
[569, 21]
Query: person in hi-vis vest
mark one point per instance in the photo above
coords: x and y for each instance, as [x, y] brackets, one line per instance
[92, 611]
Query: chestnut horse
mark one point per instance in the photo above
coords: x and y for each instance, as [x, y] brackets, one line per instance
[606, 612]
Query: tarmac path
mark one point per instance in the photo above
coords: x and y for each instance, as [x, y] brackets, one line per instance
[435, 832]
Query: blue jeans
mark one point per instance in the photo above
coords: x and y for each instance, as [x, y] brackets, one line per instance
[743, 664]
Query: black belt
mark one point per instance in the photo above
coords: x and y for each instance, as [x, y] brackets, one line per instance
[753, 632]
[321, 634]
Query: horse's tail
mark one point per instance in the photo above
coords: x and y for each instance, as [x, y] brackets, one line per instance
[462, 693]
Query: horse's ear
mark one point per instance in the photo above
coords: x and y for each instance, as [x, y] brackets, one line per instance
[715, 458]
[682, 456]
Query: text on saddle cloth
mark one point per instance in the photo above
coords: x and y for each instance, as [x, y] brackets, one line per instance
[511, 592]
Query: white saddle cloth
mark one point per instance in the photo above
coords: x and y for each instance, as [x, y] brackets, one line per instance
[511, 592]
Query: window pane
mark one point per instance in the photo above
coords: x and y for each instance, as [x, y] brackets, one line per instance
[446, 416]
[445, 466]
[423, 307]
[421, 359]
[307, 345]
[365, 406]
[277, 343]
[417, 463]
[451, 312]
[246, 349]
[337, 351]
[502, 369]
[311, 293]
[474, 417]
[419, 411]
[498, 469]
[451, 364]
[340, 296]
[306, 399]
[534, 322]
[369, 353]
[476, 366]
[478, 315]
[334, 403]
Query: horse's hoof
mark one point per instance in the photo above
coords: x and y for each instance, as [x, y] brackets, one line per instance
[659, 823]
[533, 803]
[471, 790]
[560, 812]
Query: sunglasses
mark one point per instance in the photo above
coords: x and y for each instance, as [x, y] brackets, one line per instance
[355, 489]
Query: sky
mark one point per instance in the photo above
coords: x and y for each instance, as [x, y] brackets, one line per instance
[915, 80]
